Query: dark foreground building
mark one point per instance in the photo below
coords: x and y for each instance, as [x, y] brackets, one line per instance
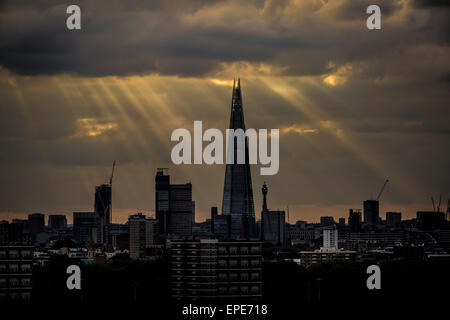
[212, 269]
[16, 270]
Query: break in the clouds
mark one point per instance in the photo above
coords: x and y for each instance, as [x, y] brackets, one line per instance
[353, 106]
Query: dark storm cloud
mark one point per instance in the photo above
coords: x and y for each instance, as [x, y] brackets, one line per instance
[431, 3]
[195, 37]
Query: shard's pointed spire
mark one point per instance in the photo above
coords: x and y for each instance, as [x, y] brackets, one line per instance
[238, 193]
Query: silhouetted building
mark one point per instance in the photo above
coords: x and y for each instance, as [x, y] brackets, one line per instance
[237, 192]
[213, 269]
[430, 219]
[174, 206]
[57, 221]
[120, 236]
[220, 224]
[85, 226]
[393, 219]
[36, 223]
[142, 234]
[102, 208]
[4, 232]
[354, 220]
[371, 212]
[341, 222]
[327, 221]
[273, 223]
[16, 273]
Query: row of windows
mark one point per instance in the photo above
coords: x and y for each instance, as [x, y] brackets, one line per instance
[15, 267]
[15, 254]
[15, 282]
[15, 296]
[239, 290]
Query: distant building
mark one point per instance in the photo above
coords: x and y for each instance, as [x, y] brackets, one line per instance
[371, 212]
[393, 219]
[16, 273]
[354, 220]
[341, 222]
[102, 208]
[85, 226]
[220, 224]
[174, 206]
[142, 234]
[213, 269]
[36, 223]
[330, 238]
[308, 258]
[57, 221]
[120, 236]
[273, 223]
[327, 221]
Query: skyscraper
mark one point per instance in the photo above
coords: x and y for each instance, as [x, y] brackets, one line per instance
[371, 212]
[174, 206]
[102, 208]
[237, 192]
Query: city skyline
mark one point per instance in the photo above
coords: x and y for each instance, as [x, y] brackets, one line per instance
[353, 106]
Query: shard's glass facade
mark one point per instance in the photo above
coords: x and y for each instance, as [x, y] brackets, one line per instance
[237, 192]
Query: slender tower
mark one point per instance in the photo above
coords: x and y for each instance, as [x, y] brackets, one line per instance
[237, 192]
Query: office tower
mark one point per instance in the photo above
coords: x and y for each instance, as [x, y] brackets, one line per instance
[330, 238]
[371, 212]
[393, 218]
[220, 224]
[36, 223]
[273, 223]
[85, 226]
[57, 221]
[214, 269]
[341, 222]
[193, 212]
[174, 206]
[142, 234]
[354, 220]
[102, 208]
[237, 192]
[16, 273]
[327, 221]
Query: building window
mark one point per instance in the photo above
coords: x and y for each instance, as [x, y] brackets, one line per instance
[14, 267]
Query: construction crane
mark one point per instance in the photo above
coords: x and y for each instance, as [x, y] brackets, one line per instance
[438, 207]
[439, 204]
[448, 209]
[112, 173]
[382, 188]
[289, 220]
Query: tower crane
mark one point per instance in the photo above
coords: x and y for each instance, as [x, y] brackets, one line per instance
[382, 189]
[112, 173]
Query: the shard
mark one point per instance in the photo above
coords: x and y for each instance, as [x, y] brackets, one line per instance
[237, 192]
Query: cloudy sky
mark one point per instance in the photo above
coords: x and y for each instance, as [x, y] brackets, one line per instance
[354, 106]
